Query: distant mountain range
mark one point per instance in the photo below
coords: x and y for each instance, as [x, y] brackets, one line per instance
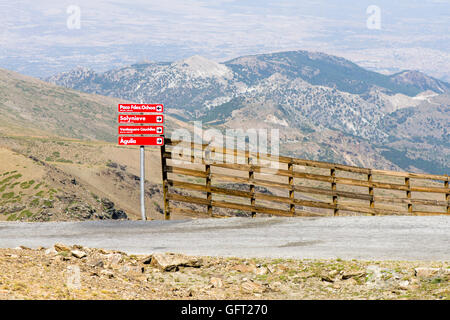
[327, 107]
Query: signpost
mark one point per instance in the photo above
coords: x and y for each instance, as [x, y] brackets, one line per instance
[141, 130]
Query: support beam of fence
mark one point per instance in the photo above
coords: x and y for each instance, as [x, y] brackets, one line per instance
[251, 176]
[291, 191]
[333, 188]
[371, 192]
[408, 194]
[165, 185]
[208, 188]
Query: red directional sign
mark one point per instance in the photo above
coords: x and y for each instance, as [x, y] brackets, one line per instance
[130, 107]
[141, 130]
[141, 141]
[131, 118]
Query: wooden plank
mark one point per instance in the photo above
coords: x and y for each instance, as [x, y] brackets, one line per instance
[189, 199]
[321, 191]
[187, 211]
[187, 185]
[372, 211]
[186, 172]
[259, 209]
[193, 213]
[257, 182]
[424, 213]
[412, 201]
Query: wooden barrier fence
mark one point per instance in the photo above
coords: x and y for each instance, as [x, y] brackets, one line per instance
[297, 187]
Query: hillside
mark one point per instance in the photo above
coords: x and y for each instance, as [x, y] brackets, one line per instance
[55, 159]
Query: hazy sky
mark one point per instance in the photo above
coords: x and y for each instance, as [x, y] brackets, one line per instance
[41, 37]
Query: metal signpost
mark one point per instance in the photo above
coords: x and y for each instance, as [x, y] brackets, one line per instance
[141, 130]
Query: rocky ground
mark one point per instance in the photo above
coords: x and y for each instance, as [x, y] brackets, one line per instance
[63, 272]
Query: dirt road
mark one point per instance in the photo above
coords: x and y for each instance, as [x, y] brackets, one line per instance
[367, 238]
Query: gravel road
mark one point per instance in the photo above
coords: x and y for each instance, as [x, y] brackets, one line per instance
[367, 238]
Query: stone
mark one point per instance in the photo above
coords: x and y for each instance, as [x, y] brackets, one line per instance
[147, 260]
[98, 263]
[107, 273]
[403, 284]
[271, 268]
[244, 268]
[356, 275]
[333, 273]
[261, 271]
[173, 261]
[252, 287]
[78, 254]
[374, 273]
[216, 282]
[427, 272]
[61, 247]
[275, 286]
[350, 282]
[118, 215]
[113, 259]
[107, 204]
[50, 251]
[327, 279]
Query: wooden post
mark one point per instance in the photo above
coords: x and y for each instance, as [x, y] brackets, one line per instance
[408, 194]
[447, 195]
[371, 192]
[291, 184]
[165, 183]
[208, 188]
[251, 175]
[333, 188]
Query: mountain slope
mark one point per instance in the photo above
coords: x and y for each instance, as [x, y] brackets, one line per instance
[26, 102]
[55, 163]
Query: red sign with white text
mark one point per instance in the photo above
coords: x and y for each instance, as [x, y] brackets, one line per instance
[131, 118]
[141, 107]
[141, 141]
[141, 130]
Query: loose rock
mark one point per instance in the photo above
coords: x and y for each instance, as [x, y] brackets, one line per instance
[78, 254]
[173, 261]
